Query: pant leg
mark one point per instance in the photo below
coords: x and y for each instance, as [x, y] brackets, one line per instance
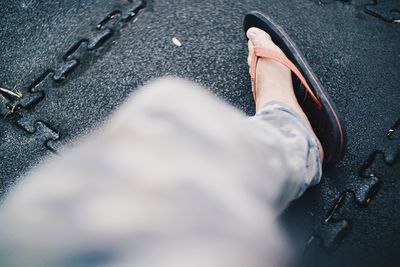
[174, 178]
[301, 146]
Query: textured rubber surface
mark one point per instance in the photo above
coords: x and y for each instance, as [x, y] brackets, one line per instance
[74, 72]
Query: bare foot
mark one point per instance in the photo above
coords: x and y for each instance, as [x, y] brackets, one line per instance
[273, 79]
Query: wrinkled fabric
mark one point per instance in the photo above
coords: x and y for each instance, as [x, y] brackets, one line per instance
[175, 177]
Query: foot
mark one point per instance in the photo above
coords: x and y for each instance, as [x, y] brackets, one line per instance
[274, 80]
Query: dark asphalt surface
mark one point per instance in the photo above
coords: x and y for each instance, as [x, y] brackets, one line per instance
[352, 218]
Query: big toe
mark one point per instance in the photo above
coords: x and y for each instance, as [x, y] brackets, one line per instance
[258, 37]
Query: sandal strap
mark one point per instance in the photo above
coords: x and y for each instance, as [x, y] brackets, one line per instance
[262, 52]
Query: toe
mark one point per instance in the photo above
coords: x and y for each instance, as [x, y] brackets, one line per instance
[251, 48]
[258, 37]
[250, 45]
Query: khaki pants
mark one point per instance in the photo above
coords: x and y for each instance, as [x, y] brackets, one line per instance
[174, 178]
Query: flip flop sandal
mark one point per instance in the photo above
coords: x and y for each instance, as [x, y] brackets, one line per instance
[312, 97]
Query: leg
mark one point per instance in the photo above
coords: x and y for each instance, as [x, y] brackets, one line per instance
[277, 107]
[274, 80]
[173, 179]
[300, 145]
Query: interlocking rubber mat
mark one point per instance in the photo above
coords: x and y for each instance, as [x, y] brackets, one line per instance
[69, 64]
